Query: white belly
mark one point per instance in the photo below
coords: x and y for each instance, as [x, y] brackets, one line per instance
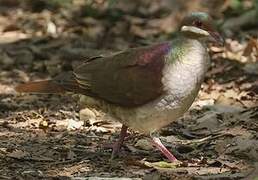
[157, 114]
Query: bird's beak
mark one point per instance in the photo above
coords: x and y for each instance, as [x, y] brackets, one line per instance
[217, 38]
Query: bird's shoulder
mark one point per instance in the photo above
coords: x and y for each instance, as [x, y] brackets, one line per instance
[139, 56]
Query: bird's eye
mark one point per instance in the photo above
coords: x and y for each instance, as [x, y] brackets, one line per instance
[198, 23]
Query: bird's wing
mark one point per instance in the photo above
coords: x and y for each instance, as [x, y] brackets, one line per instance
[130, 78]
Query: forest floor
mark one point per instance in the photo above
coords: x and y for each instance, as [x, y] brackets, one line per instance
[55, 137]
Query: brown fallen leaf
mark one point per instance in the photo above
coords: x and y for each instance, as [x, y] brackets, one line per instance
[251, 45]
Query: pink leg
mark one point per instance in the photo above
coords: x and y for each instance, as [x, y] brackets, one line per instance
[163, 149]
[118, 144]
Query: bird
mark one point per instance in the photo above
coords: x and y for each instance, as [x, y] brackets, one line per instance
[145, 88]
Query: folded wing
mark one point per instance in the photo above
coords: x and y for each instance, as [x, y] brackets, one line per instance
[130, 78]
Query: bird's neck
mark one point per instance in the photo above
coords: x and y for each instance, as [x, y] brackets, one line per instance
[188, 50]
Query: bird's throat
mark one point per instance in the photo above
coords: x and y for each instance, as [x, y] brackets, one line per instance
[188, 50]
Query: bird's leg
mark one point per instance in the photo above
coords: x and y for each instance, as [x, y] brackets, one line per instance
[117, 145]
[156, 141]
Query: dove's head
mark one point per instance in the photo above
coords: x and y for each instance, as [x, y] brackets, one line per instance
[200, 25]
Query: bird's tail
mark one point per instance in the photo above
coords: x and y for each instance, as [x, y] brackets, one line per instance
[47, 86]
[60, 84]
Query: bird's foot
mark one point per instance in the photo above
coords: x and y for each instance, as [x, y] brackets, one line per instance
[116, 149]
[117, 145]
[156, 141]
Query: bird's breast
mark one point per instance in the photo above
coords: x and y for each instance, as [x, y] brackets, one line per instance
[183, 77]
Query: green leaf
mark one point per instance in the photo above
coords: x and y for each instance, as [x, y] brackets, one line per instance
[161, 164]
[111, 2]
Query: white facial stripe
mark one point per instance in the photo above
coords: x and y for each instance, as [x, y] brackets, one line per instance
[195, 30]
